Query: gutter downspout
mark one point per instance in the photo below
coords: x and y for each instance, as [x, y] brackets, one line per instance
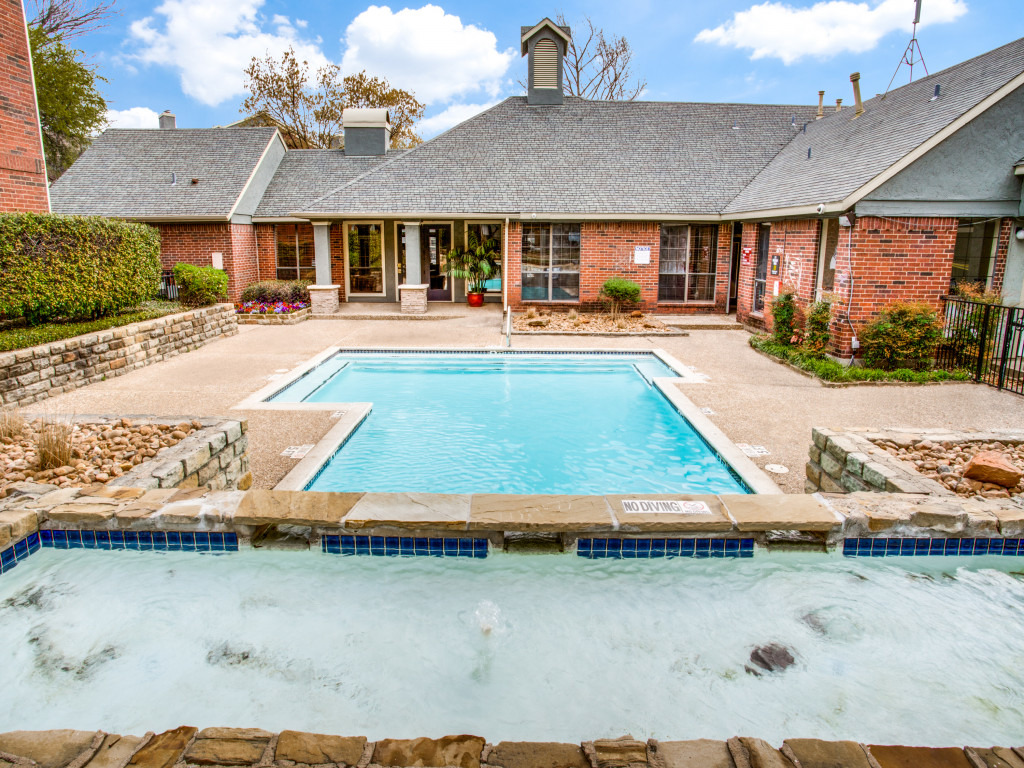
[504, 270]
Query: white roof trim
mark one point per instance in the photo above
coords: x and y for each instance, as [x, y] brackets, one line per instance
[545, 22]
[255, 168]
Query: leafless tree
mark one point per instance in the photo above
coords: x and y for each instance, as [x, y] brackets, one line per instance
[598, 67]
[70, 18]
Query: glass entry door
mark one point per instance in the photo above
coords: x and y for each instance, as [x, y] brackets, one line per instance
[435, 243]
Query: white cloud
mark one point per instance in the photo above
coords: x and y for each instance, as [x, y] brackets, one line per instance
[211, 42]
[135, 117]
[774, 29]
[426, 51]
[453, 115]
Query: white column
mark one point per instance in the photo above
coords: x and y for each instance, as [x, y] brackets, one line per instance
[413, 272]
[322, 251]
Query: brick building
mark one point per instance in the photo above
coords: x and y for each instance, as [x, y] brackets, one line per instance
[23, 184]
[711, 208]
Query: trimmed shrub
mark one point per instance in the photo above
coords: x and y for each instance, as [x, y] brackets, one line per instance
[905, 335]
[74, 267]
[619, 291]
[200, 286]
[818, 328]
[786, 319]
[276, 291]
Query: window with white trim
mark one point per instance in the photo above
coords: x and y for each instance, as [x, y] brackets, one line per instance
[688, 262]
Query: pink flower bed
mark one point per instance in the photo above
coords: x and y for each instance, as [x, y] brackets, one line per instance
[269, 307]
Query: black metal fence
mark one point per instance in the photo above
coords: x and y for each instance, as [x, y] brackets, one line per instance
[987, 340]
[168, 288]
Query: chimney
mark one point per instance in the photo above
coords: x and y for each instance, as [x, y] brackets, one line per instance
[546, 44]
[839, 105]
[367, 131]
[821, 105]
[855, 79]
[167, 121]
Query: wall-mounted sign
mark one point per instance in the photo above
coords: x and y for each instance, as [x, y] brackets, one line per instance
[642, 254]
[665, 507]
[775, 263]
[747, 253]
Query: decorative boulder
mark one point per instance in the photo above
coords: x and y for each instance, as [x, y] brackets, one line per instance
[993, 467]
[771, 658]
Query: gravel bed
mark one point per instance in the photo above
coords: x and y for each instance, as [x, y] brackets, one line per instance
[944, 462]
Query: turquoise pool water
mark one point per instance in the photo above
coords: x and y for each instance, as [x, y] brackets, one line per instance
[501, 423]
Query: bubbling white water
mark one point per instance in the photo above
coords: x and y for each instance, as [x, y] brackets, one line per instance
[539, 647]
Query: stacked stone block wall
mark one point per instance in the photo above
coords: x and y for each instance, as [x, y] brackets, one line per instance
[23, 185]
[848, 462]
[34, 374]
[213, 457]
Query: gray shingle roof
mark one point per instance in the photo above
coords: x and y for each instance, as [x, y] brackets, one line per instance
[847, 153]
[306, 174]
[127, 173]
[582, 157]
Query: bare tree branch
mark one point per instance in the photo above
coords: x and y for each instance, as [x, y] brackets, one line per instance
[70, 18]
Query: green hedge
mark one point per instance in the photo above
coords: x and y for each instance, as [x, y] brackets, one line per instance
[200, 286]
[830, 370]
[74, 267]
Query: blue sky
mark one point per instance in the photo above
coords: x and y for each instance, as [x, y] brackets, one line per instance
[459, 56]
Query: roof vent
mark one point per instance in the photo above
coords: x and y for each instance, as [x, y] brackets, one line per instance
[367, 132]
[855, 79]
[546, 44]
[938, 88]
[167, 120]
[839, 105]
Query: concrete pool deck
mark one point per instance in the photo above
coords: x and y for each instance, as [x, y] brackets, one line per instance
[753, 399]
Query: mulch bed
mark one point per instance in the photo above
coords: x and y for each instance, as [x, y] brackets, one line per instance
[546, 321]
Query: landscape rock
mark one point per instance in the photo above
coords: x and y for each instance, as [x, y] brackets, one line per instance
[114, 751]
[993, 467]
[164, 749]
[919, 757]
[813, 753]
[624, 752]
[700, 753]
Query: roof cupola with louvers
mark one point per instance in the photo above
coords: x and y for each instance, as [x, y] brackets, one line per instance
[546, 44]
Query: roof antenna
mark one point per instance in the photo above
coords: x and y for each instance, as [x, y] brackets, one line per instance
[913, 48]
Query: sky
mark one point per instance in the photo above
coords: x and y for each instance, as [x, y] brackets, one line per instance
[459, 57]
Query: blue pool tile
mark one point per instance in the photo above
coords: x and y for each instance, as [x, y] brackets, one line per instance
[33, 542]
[995, 546]
[892, 546]
[160, 541]
[20, 549]
[146, 540]
[117, 540]
[173, 541]
[643, 547]
[732, 547]
[436, 547]
[628, 545]
[203, 542]
[921, 547]
[952, 547]
[479, 548]
[981, 546]
[451, 547]
[7, 557]
[46, 538]
[131, 540]
[230, 542]
[103, 540]
[938, 547]
[658, 547]
[74, 539]
[362, 545]
[718, 547]
[583, 546]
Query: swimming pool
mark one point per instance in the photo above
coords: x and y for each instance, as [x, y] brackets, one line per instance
[511, 423]
[534, 647]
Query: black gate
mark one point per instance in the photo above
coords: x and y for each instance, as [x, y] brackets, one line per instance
[987, 340]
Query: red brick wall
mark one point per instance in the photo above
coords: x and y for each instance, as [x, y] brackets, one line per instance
[266, 251]
[338, 257]
[22, 167]
[196, 243]
[606, 250]
[242, 265]
[795, 242]
[748, 268]
[887, 260]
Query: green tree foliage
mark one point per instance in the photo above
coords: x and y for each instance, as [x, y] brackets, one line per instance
[308, 107]
[786, 320]
[71, 109]
[620, 291]
[819, 327]
[74, 267]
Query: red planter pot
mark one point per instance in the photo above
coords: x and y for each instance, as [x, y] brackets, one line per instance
[475, 299]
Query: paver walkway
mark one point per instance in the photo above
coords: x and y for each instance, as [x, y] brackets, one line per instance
[754, 399]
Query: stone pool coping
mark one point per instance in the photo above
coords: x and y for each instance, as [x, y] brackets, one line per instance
[298, 519]
[189, 746]
[353, 414]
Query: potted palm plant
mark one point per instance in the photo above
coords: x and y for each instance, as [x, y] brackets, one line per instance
[477, 263]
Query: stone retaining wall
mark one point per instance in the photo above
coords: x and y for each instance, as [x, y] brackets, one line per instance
[285, 318]
[34, 374]
[850, 461]
[214, 457]
[187, 745]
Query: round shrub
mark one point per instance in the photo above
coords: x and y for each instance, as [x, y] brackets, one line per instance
[200, 286]
[905, 335]
[620, 291]
[818, 328]
[74, 267]
[786, 319]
